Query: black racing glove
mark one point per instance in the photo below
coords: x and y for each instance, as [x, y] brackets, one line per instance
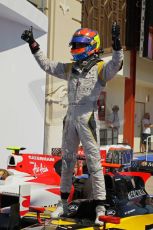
[116, 44]
[28, 37]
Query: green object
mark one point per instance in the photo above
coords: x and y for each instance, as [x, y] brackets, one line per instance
[15, 149]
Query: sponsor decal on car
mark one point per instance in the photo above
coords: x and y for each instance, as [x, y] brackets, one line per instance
[111, 212]
[136, 193]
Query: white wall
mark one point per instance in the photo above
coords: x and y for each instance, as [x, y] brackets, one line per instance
[21, 91]
[145, 95]
[63, 23]
[115, 96]
[144, 69]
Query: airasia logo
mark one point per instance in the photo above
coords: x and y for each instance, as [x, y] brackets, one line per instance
[39, 169]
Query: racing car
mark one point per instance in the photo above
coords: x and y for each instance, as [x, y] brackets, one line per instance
[126, 202]
[128, 205]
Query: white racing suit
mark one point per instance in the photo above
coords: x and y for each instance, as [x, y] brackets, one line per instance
[84, 89]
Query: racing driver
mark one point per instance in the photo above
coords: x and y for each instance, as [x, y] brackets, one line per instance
[87, 77]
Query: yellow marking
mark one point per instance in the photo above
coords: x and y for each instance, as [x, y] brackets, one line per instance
[45, 215]
[90, 129]
[100, 67]
[134, 222]
[62, 222]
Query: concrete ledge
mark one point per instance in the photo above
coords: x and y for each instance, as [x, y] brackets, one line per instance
[22, 12]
